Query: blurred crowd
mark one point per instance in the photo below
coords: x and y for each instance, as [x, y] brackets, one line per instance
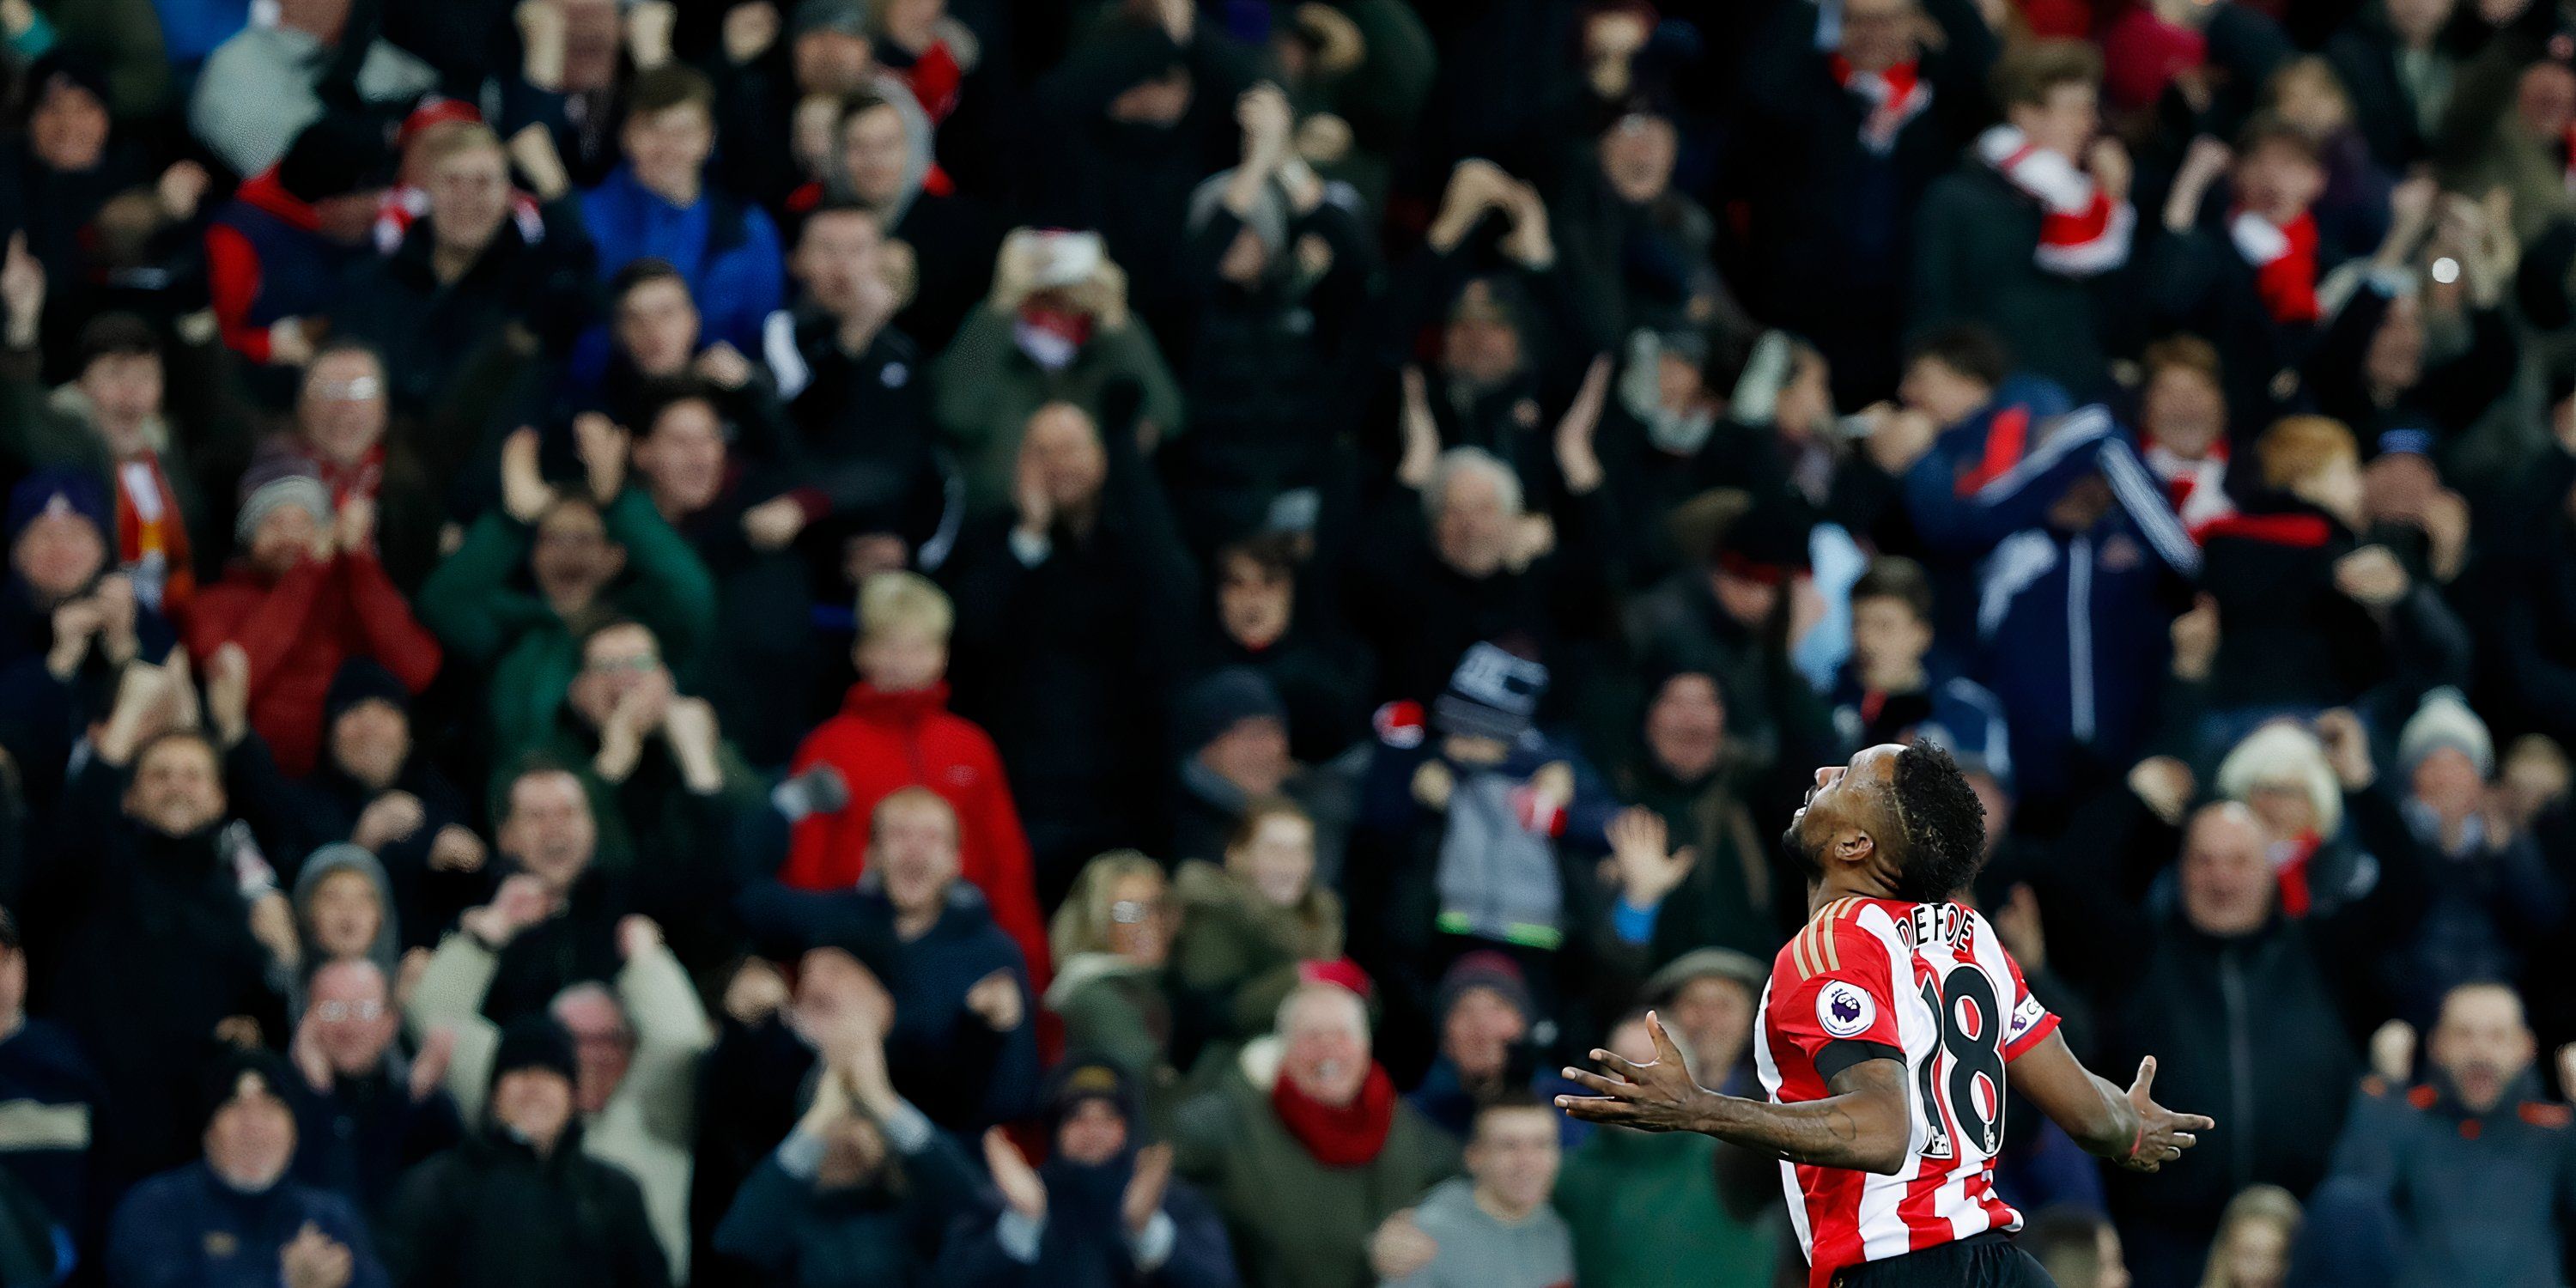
[907, 642]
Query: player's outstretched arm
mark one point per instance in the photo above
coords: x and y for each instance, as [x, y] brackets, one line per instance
[2127, 1127]
[1863, 1125]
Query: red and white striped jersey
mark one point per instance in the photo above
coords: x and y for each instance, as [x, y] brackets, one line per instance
[1928, 984]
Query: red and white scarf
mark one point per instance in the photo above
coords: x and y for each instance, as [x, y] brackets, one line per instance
[2197, 486]
[1895, 96]
[2082, 231]
[2284, 257]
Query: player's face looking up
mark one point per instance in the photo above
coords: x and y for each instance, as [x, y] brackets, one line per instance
[1850, 806]
[1895, 823]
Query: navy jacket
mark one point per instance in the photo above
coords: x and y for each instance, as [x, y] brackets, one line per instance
[1083, 1242]
[187, 1229]
[945, 1059]
[2483, 1198]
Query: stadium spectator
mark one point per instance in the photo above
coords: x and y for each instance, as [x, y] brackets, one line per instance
[1103, 1208]
[237, 1215]
[1113, 940]
[635, 1053]
[2410, 1153]
[520, 1201]
[365, 1114]
[1493, 1225]
[308, 595]
[1305, 1147]
[963, 1035]
[894, 731]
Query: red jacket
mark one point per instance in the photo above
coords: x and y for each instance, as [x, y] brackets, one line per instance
[298, 630]
[884, 741]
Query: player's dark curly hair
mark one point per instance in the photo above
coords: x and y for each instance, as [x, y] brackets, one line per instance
[1943, 823]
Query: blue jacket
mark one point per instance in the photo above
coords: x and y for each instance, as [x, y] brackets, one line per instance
[1083, 1243]
[726, 248]
[186, 1229]
[2069, 627]
[2481, 1199]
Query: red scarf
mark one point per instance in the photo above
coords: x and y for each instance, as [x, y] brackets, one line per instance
[1349, 1136]
[2082, 231]
[935, 78]
[2284, 257]
[152, 536]
[2292, 864]
[1895, 96]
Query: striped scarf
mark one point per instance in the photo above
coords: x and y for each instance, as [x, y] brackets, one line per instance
[2082, 231]
[1895, 97]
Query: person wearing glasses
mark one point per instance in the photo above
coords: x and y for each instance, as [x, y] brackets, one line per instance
[366, 1112]
[345, 429]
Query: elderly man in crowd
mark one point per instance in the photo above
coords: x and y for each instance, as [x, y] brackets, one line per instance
[236, 1216]
[1306, 1148]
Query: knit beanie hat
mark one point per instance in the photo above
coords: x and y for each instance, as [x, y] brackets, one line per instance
[1492, 694]
[1219, 701]
[1487, 969]
[56, 492]
[362, 679]
[279, 479]
[1083, 1078]
[223, 1081]
[534, 1042]
[2445, 721]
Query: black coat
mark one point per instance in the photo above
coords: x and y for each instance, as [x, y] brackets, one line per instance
[490, 1213]
[1832, 222]
[2364, 55]
[1268, 376]
[2291, 638]
[426, 901]
[577, 944]
[142, 945]
[428, 330]
[2261, 1032]
[1975, 238]
[357, 1139]
[944, 1058]
[1067, 664]
[1132, 181]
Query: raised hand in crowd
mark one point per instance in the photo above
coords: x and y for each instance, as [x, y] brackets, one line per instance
[521, 901]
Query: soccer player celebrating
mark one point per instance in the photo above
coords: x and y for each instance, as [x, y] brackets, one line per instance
[1885, 1034]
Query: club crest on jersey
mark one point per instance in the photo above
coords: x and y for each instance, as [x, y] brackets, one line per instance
[1844, 1010]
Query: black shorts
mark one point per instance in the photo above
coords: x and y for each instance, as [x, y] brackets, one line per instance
[1986, 1260]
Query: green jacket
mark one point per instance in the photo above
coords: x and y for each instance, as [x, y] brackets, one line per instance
[984, 391]
[1235, 956]
[485, 612]
[1295, 1222]
[1121, 1012]
[1646, 1212]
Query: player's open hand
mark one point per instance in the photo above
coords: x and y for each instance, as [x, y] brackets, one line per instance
[2162, 1134]
[1656, 1096]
